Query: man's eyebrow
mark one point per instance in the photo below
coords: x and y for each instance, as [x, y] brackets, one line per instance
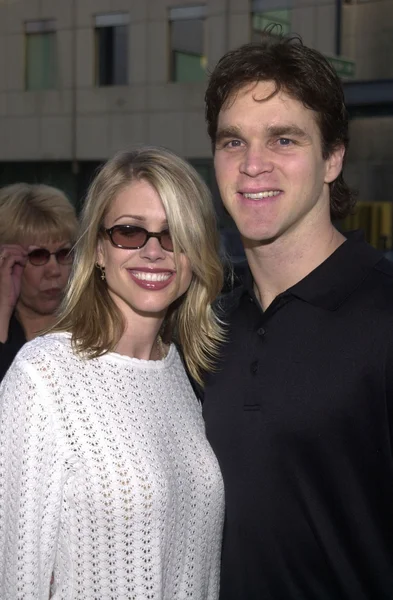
[227, 132]
[272, 131]
[287, 130]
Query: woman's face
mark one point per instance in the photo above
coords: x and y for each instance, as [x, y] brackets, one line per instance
[42, 286]
[143, 281]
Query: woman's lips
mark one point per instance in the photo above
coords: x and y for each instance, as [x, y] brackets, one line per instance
[152, 279]
[52, 293]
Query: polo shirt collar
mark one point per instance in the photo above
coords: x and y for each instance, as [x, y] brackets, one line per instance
[332, 282]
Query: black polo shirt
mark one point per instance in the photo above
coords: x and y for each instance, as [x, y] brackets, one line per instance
[300, 418]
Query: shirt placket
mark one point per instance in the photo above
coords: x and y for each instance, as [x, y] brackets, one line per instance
[258, 346]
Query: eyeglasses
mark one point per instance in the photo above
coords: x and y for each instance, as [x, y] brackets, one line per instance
[41, 256]
[131, 237]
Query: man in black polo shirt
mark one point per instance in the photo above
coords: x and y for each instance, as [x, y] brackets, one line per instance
[299, 412]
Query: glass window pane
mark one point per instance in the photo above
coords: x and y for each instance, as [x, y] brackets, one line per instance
[104, 44]
[120, 53]
[187, 68]
[41, 61]
[49, 60]
[112, 55]
[187, 48]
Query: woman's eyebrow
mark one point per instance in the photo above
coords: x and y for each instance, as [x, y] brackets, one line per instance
[139, 218]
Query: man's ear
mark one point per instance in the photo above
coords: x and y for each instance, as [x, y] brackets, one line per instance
[334, 164]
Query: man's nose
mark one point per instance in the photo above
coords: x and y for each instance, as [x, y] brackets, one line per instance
[257, 160]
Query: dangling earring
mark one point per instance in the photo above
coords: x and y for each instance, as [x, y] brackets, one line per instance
[102, 269]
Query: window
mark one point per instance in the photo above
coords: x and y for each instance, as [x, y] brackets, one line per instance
[111, 49]
[187, 34]
[40, 55]
[262, 18]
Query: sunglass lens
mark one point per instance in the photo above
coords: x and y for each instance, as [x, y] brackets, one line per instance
[65, 256]
[129, 237]
[39, 257]
[166, 241]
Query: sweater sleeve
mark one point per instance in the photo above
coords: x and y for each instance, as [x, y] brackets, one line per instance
[30, 484]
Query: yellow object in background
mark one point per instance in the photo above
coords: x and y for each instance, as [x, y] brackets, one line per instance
[376, 220]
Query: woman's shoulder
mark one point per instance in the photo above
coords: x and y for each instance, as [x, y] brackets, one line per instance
[57, 345]
[41, 361]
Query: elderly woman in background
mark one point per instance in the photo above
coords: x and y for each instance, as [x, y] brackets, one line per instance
[106, 477]
[37, 229]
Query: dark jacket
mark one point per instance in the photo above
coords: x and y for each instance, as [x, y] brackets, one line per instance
[9, 349]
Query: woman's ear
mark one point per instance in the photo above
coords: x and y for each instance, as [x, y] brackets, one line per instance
[100, 258]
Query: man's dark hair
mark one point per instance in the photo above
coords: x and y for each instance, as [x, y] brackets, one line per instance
[305, 75]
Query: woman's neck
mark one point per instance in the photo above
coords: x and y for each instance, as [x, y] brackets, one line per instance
[147, 346]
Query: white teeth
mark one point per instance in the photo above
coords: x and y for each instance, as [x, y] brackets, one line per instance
[151, 276]
[260, 195]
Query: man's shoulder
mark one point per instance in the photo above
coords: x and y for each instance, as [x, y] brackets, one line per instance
[234, 288]
[228, 302]
[357, 276]
[383, 277]
[385, 266]
[379, 288]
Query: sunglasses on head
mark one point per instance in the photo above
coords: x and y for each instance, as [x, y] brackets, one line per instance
[41, 256]
[131, 237]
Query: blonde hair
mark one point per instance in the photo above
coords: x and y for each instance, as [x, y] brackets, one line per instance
[88, 310]
[34, 213]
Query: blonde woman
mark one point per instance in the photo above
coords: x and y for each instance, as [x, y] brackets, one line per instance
[37, 229]
[106, 477]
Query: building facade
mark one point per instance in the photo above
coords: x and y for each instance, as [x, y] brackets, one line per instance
[82, 79]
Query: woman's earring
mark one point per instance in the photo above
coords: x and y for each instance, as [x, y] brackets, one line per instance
[102, 269]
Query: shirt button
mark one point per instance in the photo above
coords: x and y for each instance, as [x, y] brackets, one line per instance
[254, 367]
[261, 331]
[251, 299]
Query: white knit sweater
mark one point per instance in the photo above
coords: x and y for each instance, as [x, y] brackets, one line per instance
[106, 479]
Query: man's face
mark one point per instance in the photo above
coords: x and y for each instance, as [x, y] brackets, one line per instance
[269, 166]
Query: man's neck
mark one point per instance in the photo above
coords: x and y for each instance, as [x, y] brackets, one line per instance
[279, 265]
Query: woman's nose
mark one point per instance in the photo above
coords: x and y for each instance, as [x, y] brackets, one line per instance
[152, 250]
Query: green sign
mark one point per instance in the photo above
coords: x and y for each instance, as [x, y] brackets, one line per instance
[344, 67]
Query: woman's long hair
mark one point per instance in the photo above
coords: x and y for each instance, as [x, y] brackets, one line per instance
[88, 311]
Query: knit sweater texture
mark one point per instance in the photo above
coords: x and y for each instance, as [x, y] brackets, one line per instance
[106, 479]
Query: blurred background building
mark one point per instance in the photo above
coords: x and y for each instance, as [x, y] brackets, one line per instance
[82, 79]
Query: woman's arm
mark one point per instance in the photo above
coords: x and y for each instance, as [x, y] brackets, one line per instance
[30, 484]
